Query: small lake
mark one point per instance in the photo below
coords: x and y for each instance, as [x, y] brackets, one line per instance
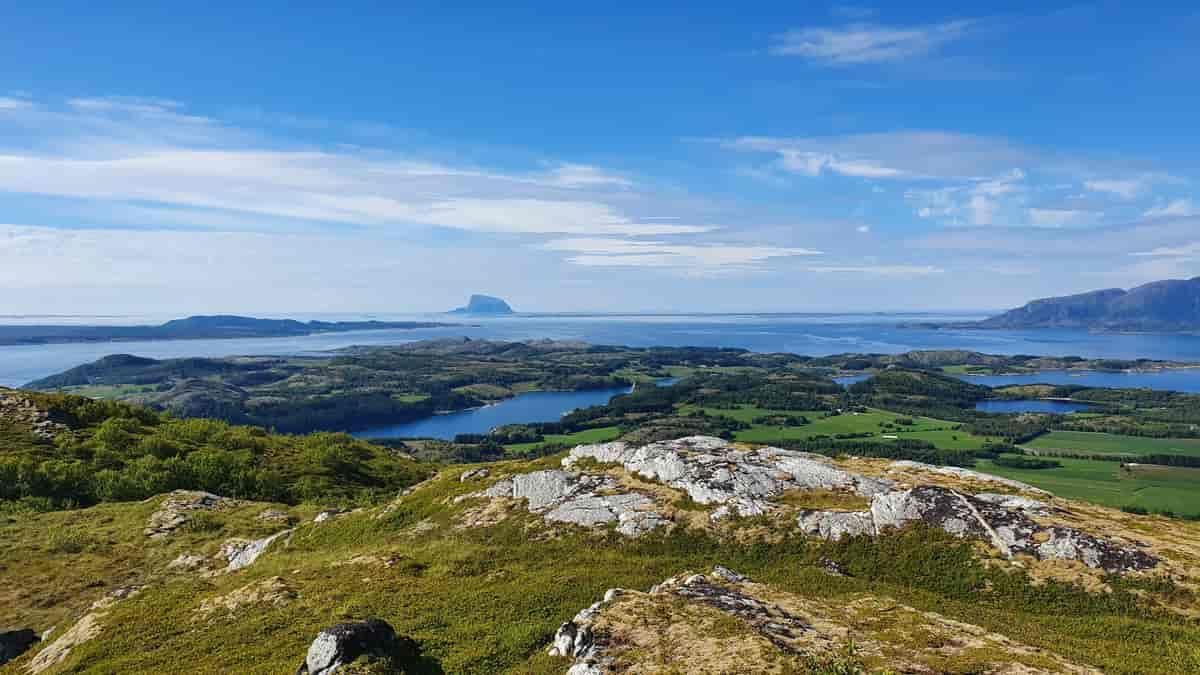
[534, 406]
[1031, 405]
[848, 380]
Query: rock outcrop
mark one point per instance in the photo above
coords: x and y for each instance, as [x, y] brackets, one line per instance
[722, 622]
[339, 645]
[731, 479]
[178, 508]
[18, 407]
[242, 553]
[14, 643]
[87, 627]
[582, 499]
[714, 472]
[1003, 521]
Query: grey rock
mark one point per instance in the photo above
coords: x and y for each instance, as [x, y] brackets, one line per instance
[999, 520]
[728, 575]
[583, 499]
[178, 508]
[834, 525]
[242, 553]
[341, 644]
[712, 471]
[329, 514]
[474, 474]
[187, 562]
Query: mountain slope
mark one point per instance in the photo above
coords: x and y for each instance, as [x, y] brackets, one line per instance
[1168, 305]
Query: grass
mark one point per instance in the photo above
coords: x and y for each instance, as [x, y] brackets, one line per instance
[939, 432]
[597, 435]
[488, 600]
[108, 391]
[1113, 444]
[1154, 488]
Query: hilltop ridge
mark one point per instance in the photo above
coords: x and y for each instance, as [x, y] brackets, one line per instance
[1169, 305]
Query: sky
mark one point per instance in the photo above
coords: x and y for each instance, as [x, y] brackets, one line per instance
[630, 156]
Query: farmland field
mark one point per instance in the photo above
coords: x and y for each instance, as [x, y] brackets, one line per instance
[1112, 444]
[1154, 488]
[939, 432]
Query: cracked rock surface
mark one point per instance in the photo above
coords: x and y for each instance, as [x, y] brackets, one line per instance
[1003, 521]
[712, 471]
[723, 622]
[581, 499]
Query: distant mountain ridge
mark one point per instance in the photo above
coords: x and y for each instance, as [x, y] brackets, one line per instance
[1170, 305]
[219, 326]
[483, 304]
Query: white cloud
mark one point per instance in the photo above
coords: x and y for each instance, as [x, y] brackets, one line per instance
[1125, 189]
[1181, 251]
[862, 43]
[977, 202]
[900, 155]
[863, 229]
[125, 151]
[1058, 217]
[1175, 208]
[688, 258]
[8, 103]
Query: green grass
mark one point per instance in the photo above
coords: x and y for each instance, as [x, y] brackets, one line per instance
[1155, 488]
[108, 391]
[939, 432]
[597, 435]
[1112, 444]
[489, 600]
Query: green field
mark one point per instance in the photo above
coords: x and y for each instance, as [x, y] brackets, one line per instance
[1112, 444]
[597, 435]
[108, 391]
[1155, 488]
[939, 432]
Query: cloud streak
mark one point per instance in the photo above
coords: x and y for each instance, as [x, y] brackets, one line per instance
[868, 43]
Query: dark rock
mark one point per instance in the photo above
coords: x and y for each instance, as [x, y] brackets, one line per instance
[15, 643]
[341, 644]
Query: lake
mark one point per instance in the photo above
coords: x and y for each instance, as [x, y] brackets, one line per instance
[811, 334]
[1031, 405]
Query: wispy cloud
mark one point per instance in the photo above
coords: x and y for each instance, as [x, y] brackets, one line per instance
[1058, 217]
[1182, 251]
[900, 155]
[887, 271]
[696, 259]
[126, 151]
[867, 43]
[1125, 189]
[1174, 208]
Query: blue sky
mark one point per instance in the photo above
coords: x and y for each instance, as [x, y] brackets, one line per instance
[790, 156]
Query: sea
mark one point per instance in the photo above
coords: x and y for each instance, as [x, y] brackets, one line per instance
[809, 334]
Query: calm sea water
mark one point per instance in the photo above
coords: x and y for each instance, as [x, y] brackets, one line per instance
[812, 334]
[1032, 405]
[1176, 380]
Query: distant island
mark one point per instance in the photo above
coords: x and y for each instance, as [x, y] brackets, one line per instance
[483, 304]
[1170, 305]
[193, 328]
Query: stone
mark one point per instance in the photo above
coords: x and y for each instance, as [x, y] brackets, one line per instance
[187, 561]
[339, 645]
[834, 525]
[275, 515]
[582, 499]
[1000, 520]
[14, 643]
[474, 474]
[241, 553]
[177, 508]
[329, 514]
[713, 471]
[968, 474]
[87, 627]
